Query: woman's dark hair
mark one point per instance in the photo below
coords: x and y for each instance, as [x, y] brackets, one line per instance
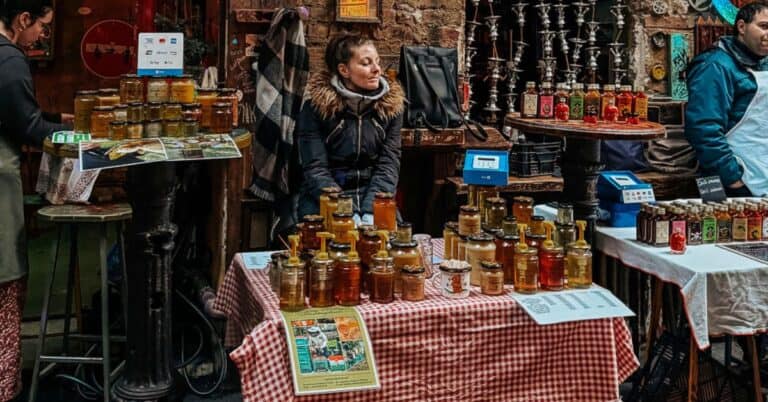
[9, 9]
[341, 48]
[748, 12]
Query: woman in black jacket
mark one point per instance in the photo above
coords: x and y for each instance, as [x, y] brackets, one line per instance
[349, 128]
[22, 22]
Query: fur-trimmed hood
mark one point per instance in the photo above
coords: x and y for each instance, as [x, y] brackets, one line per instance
[328, 102]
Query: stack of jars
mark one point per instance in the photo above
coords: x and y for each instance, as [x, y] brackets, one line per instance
[155, 107]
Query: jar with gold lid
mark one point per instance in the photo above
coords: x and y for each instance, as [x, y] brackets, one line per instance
[496, 211]
[479, 248]
[131, 89]
[153, 128]
[171, 111]
[108, 97]
[310, 226]
[118, 130]
[121, 113]
[492, 278]
[469, 220]
[330, 208]
[522, 209]
[153, 111]
[348, 275]
[509, 225]
[551, 262]
[404, 232]
[321, 276]
[537, 225]
[158, 90]
[85, 101]
[192, 111]
[101, 116]
[221, 121]
[403, 253]
[182, 89]
[135, 112]
[342, 224]
[385, 211]
[526, 272]
[206, 98]
[172, 128]
[134, 130]
[412, 278]
[578, 263]
[189, 127]
[229, 96]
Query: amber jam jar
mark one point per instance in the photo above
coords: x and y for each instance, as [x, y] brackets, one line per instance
[85, 101]
[469, 220]
[403, 254]
[135, 112]
[229, 96]
[492, 278]
[368, 245]
[171, 111]
[522, 209]
[192, 111]
[153, 111]
[158, 90]
[348, 276]
[342, 224]
[206, 98]
[382, 280]
[221, 120]
[385, 211]
[412, 279]
[182, 89]
[118, 130]
[311, 225]
[101, 116]
[108, 97]
[505, 254]
[131, 89]
[480, 248]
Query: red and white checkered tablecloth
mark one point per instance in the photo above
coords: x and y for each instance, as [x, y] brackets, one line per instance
[483, 348]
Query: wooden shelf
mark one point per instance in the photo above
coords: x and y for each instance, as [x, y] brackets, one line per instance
[538, 184]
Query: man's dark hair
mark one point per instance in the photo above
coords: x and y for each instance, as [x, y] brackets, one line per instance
[748, 12]
[9, 9]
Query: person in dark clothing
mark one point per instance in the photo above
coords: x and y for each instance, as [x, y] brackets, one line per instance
[21, 122]
[349, 128]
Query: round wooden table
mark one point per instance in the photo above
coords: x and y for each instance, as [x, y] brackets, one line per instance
[151, 189]
[581, 163]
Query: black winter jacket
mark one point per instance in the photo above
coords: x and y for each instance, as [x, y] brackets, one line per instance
[337, 147]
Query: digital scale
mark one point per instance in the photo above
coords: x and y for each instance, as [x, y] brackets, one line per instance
[620, 194]
[486, 168]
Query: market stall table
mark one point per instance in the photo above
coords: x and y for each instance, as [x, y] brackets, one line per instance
[476, 349]
[152, 190]
[581, 162]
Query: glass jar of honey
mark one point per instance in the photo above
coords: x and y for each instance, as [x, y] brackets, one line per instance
[509, 225]
[221, 120]
[172, 128]
[153, 111]
[526, 273]
[492, 278]
[497, 210]
[189, 127]
[118, 130]
[412, 278]
[454, 279]
[522, 209]
[121, 113]
[131, 89]
[330, 208]
[449, 236]
[206, 98]
[368, 245]
[460, 251]
[158, 90]
[579, 261]
[404, 232]
[537, 225]
[403, 253]
[135, 112]
[338, 250]
[276, 265]
[342, 224]
[479, 248]
[551, 263]
[323, 201]
[85, 101]
[505, 254]
[108, 97]
[310, 226]
[348, 276]
[153, 128]
[229, 96]
[469, 220]
[182, 89]
[171, 111]
[382, 280]
[101, 116]
[192, 111]
[292, 290]
[134, 130]
[385, 211]
[321, 283]
[345, 205]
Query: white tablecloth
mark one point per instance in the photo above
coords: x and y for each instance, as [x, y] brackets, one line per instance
[723, 292]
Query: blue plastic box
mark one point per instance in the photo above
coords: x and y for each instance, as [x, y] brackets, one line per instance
[620, 215]
[486, 168]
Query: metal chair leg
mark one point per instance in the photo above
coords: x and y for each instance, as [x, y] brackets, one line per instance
[44, 322]
[104, 312]
[121, 242]
[73, 262]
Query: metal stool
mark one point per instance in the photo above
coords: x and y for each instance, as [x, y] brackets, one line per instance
[73, 216]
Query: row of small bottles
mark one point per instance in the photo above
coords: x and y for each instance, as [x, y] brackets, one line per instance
[684, 223]
[523, 246]
[574, 104]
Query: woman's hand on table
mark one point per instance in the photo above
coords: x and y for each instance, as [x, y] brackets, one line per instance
[67, 118]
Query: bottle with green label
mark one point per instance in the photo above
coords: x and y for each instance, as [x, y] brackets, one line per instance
[708, 226]
[577, 102]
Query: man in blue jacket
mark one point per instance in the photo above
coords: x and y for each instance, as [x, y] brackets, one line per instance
[726, 120]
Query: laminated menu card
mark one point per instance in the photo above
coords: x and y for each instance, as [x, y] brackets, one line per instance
[572, 305]
[330, 351]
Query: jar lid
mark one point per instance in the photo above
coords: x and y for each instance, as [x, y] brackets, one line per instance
[490, 265]
[496, 201]
[371, 234]
[129, 76]
[329, 190]
[480, 237]
[404, 225]
[108, 91]
[207, 90]
[312, 218]
[86, 92]
[523, 199]
[509, 218]
[345, 196]
[455, 266]
[412, 269]
[227, 90]
[507, 237]
[470, 209]
[222, 105]
[176, 120]
[191, 106]
[189, 120]
[342, 215]
[104, 108]
[118, 123]
[537, 218]
[135, 104]
[384, 195]
[404, 244]
[336, 246]
[121, 106]
[158, 121]
[166, 104]
[155, 104]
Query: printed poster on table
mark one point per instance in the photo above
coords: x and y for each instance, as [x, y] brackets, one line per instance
[572, 305]
[330, 351]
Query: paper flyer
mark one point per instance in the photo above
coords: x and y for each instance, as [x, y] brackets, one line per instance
[330, 351]
[572, 305]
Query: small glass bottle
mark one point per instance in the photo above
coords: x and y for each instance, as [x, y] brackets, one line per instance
[349, 276]
[640, 103]
[562, 111]
[172, 128]
[292, 291]
[694, 227]
[530, 107]
[592, 100]
[505, 254]
[492, 278]
[677, 222]
[551, 262]
[546, 101]
[509, 225]
[607, 99]
[469, 220]
[311, 226]
[135, 112]
[640, 223]
[754, 222]
[522, 209]
[562, 95]
[677, 241]
[321, 280]
[479, 248]
[153, 128]
[189, 128]
[497, 211]
[709, 226]
[537, 227]
[724, 224]
[526, 272]
[579, 261]
[412, 279]
[661, 228]
[576, 102]
[343, 223]
[740, 221]
[385, 211]
[171, 111]
[565, 229]
[624, 102]
[381, 285]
